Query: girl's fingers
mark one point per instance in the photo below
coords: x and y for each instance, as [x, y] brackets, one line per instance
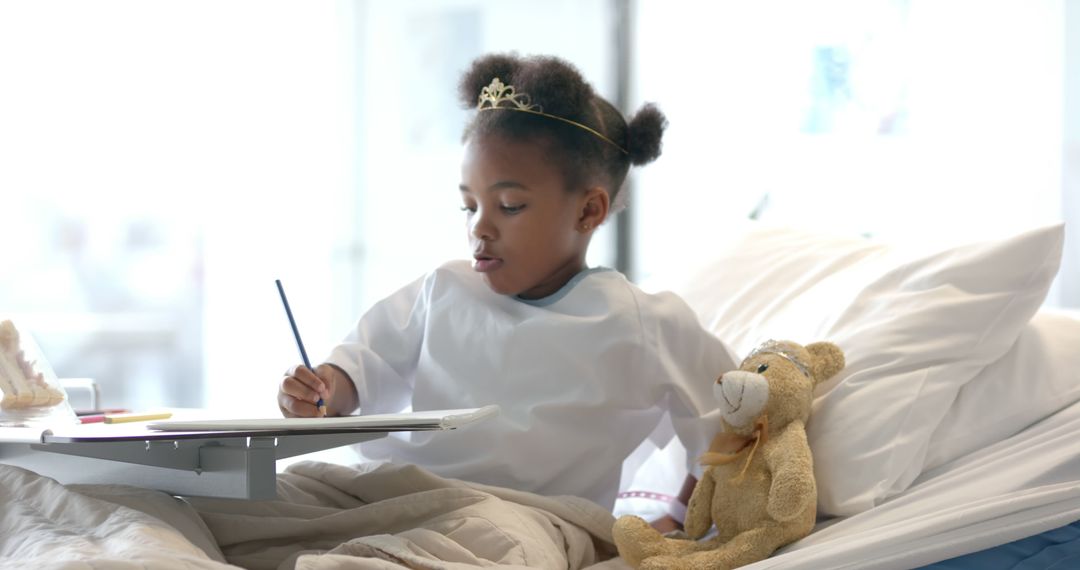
[292, 386]
[309, 379]
[293, 407]
[299, 392]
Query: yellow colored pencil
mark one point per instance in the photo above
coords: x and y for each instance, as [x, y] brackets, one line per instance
[124, 418]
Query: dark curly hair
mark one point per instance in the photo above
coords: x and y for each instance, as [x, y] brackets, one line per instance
[558, 87]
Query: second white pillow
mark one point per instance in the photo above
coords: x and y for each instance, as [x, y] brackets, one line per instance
[1038, 376]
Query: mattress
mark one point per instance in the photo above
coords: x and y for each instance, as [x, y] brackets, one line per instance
[1057, 548]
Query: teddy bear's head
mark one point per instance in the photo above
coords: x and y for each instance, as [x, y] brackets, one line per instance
[776, 381]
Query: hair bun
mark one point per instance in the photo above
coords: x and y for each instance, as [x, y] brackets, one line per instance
[556, 85]
[644, 133]
[505, 66]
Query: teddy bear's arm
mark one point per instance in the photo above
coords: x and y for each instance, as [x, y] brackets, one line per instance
[792, 468]
[699, 511]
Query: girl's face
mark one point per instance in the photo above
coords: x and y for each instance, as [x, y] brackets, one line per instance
[528, 234]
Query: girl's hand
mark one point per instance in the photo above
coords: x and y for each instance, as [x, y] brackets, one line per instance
[299, 392]
[301, 388]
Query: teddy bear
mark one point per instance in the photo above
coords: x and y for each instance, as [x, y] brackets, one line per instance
[758, 486]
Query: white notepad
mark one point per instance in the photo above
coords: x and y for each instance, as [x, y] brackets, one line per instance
[22, 434]
[434, 419]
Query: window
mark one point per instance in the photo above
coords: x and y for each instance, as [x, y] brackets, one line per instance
[164, 163]
[908, 120]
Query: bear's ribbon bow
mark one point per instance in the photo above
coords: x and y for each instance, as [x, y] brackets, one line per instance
[726, 447]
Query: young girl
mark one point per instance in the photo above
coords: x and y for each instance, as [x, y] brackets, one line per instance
[582, 363]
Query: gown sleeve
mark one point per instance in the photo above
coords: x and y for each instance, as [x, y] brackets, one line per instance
[380, 354]
[687, 362]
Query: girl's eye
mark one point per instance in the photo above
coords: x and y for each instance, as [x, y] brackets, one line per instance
[468, 209]
[512, 209]
[762, 368]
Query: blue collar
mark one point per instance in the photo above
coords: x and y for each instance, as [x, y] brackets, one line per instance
[554, 297]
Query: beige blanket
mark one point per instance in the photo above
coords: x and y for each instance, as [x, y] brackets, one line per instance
[45, 525]
[327, 516]
[386, 516]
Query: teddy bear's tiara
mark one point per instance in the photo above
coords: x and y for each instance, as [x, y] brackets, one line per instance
[782, 349]
[496, 93]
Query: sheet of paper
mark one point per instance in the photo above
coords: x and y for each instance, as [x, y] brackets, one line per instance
[434, 419]
[21, 434]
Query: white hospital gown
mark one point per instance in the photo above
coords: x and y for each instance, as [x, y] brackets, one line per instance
[581, 377]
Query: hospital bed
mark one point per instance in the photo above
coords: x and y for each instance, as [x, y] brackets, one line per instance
[949, 441]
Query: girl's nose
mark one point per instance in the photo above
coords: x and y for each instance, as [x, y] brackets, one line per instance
[482, 228]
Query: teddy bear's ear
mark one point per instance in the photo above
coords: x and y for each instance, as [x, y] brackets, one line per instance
[828, 360]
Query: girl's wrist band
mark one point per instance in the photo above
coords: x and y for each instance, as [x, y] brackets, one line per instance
[675, 508]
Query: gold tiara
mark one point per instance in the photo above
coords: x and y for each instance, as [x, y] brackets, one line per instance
[495, 93]
[783, 349]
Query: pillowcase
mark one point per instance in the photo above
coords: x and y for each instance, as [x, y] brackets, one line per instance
[914, 330]
[767, 280]
[1038, 376]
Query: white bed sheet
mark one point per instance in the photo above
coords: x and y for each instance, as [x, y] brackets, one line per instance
[1021, 486]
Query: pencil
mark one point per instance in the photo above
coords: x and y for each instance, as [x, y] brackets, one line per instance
[101, 412]
[124, 418]
[299, 343]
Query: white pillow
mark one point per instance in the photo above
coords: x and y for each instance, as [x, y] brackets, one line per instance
[766, 281]
[914, 330]
[1038, 376]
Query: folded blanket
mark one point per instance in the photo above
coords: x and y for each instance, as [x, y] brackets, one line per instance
[388, 516]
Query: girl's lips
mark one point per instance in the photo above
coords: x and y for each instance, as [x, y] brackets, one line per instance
[486, 264]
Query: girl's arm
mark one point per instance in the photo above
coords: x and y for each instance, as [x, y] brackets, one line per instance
[372, 367]
[378, 357]
[690, 359]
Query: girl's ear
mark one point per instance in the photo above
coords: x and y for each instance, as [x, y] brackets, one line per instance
[595, 204]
